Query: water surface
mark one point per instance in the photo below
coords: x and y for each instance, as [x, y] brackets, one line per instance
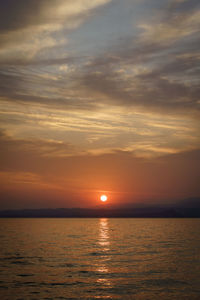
[99, 258]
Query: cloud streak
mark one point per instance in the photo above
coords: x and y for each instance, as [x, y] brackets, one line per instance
[27, 27]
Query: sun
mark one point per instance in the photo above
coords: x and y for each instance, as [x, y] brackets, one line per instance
[103, 198]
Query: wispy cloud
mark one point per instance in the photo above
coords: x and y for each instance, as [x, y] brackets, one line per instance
[28, 27]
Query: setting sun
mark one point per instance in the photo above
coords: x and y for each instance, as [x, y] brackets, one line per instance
[103, 198]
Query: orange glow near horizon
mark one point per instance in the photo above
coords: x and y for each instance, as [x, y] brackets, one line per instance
[103, 198]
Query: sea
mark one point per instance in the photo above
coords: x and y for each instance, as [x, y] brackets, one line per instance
[98, 258]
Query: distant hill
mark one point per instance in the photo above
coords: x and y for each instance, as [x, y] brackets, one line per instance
[183, 210]
[189, 203]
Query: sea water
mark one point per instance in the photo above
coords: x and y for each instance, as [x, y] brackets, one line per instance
[99, 258]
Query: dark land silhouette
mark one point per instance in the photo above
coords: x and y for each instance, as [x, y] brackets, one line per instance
[189, 208]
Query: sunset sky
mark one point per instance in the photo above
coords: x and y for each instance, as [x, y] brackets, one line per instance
[99, 97]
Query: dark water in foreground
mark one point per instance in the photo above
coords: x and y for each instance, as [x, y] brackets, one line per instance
[99, 258]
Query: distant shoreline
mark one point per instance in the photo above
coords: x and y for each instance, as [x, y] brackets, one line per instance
[145, 212]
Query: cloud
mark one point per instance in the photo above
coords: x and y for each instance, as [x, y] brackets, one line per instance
[35, 147]
[44, 14]
[177, 28]
[144, 76]
[153, 90]
[27, 27]
[155, 70]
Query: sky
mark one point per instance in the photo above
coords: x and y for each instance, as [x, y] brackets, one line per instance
[99, 97]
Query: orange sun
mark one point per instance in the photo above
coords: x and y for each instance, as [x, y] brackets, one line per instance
[103, 198]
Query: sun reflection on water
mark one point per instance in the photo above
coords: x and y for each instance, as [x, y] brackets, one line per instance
[104, 244]
[104, 239]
